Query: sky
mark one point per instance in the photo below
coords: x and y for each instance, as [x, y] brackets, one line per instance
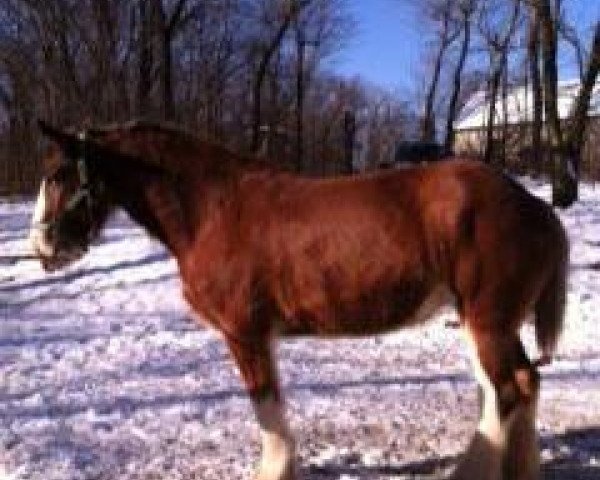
[386, 45]
[390, 45]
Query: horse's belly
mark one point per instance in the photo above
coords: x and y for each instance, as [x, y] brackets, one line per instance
[369, 315]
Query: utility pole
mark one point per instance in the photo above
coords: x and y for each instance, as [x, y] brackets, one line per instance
[349, 140]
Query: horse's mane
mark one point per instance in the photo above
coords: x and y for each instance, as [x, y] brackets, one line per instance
[143, 126]
[169, 148]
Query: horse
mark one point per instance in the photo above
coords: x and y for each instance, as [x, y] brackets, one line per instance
[265, 254]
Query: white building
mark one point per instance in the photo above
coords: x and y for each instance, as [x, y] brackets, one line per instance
[471, 127]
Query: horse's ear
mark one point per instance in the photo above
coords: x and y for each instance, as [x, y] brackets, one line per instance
[67, 141]
[49, 131]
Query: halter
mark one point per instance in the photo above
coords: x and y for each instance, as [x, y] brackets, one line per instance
[83, 194]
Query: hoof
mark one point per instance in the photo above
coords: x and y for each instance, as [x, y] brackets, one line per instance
[482, 461]
[266, 473]
[269, 476]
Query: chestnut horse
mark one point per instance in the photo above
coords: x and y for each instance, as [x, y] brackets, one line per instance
[265, 254]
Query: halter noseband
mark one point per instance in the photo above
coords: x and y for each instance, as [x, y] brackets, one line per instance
[82, 194]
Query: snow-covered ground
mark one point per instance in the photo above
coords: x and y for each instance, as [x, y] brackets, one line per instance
[104, 375]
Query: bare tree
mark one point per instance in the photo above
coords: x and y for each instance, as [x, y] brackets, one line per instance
[466, 10]
[442, 14]
[169, 27]
[198, 62]
[145, 58]
[533, 54]
[320, 28]
[202, 63]
[300, 91]
[497, 31]
[568, 142]
[287, 11]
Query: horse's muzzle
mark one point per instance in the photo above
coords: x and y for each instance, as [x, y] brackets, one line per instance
[61, 259]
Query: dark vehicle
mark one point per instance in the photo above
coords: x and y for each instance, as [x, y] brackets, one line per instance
[415, 153]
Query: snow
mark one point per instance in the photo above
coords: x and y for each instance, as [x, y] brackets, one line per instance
[104, 374]
[519, 105]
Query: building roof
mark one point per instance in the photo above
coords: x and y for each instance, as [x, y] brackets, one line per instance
[520, 105]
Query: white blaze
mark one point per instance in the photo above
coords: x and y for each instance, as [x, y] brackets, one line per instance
[37, 235]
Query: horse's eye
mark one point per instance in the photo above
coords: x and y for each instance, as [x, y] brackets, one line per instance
[59, 175]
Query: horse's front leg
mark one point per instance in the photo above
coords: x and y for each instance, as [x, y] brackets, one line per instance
[254, 358]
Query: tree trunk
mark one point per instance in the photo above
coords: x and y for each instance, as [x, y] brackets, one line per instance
[300, 104]
[261, 72]
[565, 181]
[505, 118]
[263, 65]
[494, 85]
[578, 118]
[167, 76]
[452, 106]
[499, 45]
[145, 60]
[550, 70]
[349, 141]
[578, 121]
[167, 28]
[428, 120]
[536, 91]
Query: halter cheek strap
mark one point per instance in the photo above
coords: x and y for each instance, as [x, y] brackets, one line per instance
[83, 193]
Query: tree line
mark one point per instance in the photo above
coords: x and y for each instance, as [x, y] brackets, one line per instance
[249, 73]
[253, 74]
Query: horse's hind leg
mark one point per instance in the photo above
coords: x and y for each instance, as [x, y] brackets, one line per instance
[504, 446]
[255, 362]
[522, 456]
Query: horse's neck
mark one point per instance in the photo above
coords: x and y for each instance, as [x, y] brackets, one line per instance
[173, 204]
[156, 203]
[172, 209]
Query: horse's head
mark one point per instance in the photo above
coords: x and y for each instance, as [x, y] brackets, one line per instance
[72, 204]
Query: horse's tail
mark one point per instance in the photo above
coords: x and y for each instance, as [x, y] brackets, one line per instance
[550, 306]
